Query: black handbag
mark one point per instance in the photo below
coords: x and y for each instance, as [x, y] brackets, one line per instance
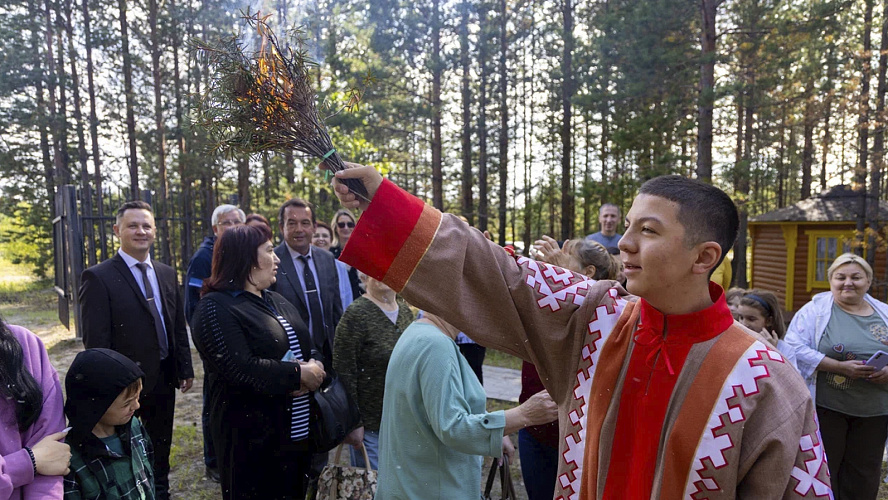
[334, 414]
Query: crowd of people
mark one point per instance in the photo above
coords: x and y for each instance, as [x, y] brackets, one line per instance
[637, 364]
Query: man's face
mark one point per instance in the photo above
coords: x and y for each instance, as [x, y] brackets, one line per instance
[298, 228]
[226, 221]
[136, 231]
[609, 218]
[656, 260]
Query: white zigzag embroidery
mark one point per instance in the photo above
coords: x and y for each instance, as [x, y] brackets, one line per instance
[742, 381]
[808, 478]
[603, 325]
[540, 277]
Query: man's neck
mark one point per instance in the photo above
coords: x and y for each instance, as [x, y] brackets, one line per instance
[298, 252]
[141, 257]
[697, 298]
[608, 235]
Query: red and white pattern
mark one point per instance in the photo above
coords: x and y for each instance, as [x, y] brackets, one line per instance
[601, 326]
[742, 382]
[808, 479]
[556, 285]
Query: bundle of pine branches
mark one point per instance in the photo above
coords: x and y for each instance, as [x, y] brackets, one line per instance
[263, 101]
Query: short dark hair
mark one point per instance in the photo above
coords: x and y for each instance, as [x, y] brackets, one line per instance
[705, 211]
[296, 202]
[325, 226]
[258, 218]
[133, 205]
[234, 255]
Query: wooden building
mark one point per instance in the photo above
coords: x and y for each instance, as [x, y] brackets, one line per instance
[792, 247]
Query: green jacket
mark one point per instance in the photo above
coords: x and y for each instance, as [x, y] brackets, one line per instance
[98, 472]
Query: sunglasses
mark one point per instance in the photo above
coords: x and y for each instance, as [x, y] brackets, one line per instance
[343, 225]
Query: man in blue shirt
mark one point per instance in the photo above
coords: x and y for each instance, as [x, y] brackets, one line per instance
[609, 218]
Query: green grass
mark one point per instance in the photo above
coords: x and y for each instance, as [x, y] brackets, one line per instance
[501, 359]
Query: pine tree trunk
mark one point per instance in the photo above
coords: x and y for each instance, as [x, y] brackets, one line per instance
[466, 135]
[708, 10]
[162, 205]
[567, 84]
[863, 125]
[243, 184]
[85, 196]
[504, 122]
[878, 144]
[181, 145]
[62, 116]
[830, 74]
[42, 120]
[53, 121]
[437, 68]
[482, 118]
[809, 121]
[94, 126]
[130, 97]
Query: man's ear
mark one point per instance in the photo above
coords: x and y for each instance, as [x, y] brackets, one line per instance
[708, 255]
[116, 230]
[589, 270]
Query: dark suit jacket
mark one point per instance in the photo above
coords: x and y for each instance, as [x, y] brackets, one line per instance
[288, 285]
[116, 316]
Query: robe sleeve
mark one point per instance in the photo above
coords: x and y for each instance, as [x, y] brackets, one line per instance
[440, 264]
[791, 462]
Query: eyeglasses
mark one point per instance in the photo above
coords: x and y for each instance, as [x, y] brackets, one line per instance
[343, 225]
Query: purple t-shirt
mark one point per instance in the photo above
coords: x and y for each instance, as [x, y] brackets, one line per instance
[17, 478]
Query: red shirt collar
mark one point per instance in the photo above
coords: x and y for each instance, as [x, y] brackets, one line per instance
[693, 327]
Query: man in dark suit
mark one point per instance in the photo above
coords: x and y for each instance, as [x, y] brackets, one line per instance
[315, 295]
[133, 305]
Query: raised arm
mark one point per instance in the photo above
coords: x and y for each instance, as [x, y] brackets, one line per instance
[438, 263]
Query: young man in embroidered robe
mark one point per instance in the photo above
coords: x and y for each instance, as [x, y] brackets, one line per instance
[665, 397]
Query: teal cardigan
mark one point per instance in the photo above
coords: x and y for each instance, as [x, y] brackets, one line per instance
[435, 428]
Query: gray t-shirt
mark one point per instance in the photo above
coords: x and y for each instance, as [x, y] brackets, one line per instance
[604, 240]
[847, 337]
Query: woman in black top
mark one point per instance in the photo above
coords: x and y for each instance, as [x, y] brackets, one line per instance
[261, 365]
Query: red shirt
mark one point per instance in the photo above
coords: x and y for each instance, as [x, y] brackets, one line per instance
[660, 349]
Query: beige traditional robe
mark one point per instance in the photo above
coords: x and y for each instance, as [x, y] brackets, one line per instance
[740, 422]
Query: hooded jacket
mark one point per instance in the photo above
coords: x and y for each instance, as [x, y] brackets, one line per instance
[95, 379]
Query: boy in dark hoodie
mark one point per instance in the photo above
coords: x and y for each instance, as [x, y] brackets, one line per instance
[111, 454]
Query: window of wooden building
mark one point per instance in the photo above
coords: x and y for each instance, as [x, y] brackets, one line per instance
[823, 248]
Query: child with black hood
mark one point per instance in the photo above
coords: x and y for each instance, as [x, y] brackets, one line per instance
[111, 454]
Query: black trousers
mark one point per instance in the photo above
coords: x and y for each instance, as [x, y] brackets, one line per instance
[156, 413]
[854, 447]
[262, 470]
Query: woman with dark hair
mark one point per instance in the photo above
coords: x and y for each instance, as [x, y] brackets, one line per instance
[257, 219]
[261, 365]
[32, 460]
[343, 224]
